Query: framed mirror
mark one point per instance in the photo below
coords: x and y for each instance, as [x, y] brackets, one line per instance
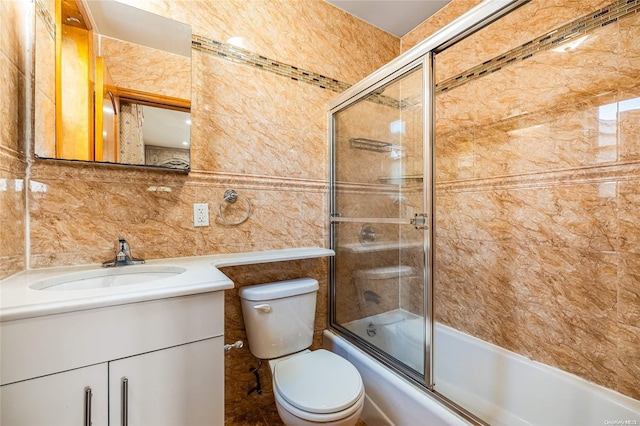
[122, 86]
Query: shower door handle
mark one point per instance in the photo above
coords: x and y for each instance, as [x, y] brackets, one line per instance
[420, 221]
[386, 220]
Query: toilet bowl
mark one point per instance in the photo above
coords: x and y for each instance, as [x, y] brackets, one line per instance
[317, 387]
[310, 387]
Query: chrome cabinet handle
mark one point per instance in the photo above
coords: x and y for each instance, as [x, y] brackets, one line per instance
[87, 406]
[125, 401]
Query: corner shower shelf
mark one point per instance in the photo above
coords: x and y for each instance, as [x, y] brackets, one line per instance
[370, 145]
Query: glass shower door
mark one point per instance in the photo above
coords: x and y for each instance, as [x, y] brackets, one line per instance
[378, 216]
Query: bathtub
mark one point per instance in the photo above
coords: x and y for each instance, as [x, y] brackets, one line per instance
[498, 386]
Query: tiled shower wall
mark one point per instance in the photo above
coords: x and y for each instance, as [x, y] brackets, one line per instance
[537, 187]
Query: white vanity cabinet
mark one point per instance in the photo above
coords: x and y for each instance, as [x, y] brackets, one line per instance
[69, 398]
[169, 350]
[175, 386]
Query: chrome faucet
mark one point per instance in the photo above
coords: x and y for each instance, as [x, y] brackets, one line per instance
[123, 256]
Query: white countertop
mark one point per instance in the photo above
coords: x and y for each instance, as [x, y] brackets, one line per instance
[18, 300]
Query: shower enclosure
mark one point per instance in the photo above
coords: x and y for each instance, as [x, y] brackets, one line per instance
[379, 217]
[484, 185]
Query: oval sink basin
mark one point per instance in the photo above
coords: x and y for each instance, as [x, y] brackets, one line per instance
[108, 277]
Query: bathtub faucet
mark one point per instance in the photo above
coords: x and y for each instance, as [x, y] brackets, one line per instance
[123, 256]
[372, 296]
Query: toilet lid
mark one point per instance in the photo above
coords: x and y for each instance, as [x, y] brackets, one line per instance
[318, 382]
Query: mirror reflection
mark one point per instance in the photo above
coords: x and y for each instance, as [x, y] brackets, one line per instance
[123, 86]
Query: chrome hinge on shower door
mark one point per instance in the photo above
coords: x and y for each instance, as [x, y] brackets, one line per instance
[420, 221]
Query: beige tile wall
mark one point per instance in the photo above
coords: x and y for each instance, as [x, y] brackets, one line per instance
[126, 60]
[15, 75]
[536, 193]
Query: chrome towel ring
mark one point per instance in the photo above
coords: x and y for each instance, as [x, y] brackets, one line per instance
[231, 196]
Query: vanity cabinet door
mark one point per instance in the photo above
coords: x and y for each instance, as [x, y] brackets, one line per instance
[75, 397]
[181, 385]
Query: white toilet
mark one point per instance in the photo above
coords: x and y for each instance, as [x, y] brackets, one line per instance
[310, 387]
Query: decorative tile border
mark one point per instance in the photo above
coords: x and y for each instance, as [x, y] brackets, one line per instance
[584, 25]
[242, 56]
[239, 55]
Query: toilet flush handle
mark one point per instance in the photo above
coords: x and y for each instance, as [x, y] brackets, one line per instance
[264, 307]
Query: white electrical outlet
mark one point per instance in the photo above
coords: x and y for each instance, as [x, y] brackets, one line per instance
[201, 214]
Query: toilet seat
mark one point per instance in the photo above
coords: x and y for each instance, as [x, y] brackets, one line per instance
[318, 384]
[340, 416]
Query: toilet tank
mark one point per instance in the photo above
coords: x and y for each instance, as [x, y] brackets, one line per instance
[279, 316]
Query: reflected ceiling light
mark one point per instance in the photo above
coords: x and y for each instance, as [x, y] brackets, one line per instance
[185, 143]
[188, 122]
[237, 41]
[570, 46]
[397, 126]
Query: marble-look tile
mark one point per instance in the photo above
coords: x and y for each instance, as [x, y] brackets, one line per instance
[15, 19]
[547, 303]
[580, 215]
[569, 340]
[247, 92]
[266, 26]
[125, 60]
[45, 126]
[629, 290]
[561, 78]
[562, 138]
[74, 222]
[510, 32]
[12, 104]
[255, 122]
[45, 66]
[455, 156]
[629, 220]
[629, 60]
[12, 215]
[511, 306]
[565, 278]
[504, 152]
[628, 362]
[314, 214]
[231, 144]
[628, 126]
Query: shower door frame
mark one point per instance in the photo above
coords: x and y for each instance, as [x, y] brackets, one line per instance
[424, 63]
[420, 55]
